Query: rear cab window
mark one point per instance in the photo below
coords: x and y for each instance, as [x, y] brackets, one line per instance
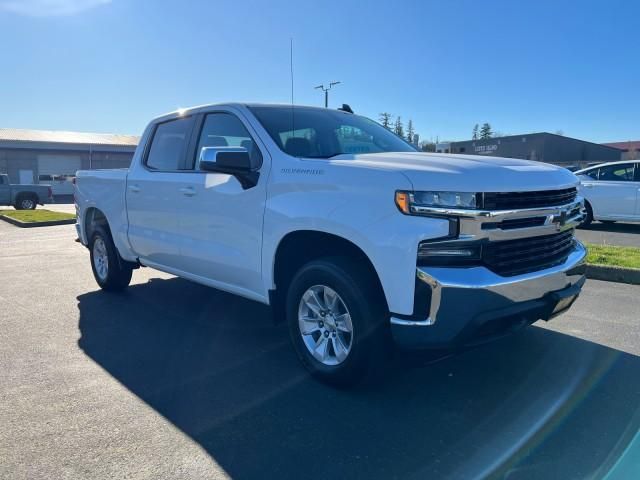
[169, 144]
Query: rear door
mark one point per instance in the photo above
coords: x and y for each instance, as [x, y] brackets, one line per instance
[613, 194]
[154, 193]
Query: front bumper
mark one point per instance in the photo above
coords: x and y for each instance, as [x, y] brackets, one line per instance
[472, 305]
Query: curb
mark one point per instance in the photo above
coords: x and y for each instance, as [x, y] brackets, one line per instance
[614, 274]
[18, 223]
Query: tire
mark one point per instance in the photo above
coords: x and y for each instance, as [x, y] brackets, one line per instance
[110, 271]
[349, 357]
[26, 202]
[588, 219]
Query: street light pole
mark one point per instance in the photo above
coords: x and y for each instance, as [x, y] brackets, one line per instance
[326, 92]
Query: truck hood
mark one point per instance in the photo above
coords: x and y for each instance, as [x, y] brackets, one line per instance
[465, 173]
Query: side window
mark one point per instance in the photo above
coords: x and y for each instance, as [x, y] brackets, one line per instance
[592, 173]
[617, 173]
[226, 130]
[169, 144]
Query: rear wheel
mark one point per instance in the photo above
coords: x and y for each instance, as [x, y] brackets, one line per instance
[26, 202]
[109, 270]
[337, 321]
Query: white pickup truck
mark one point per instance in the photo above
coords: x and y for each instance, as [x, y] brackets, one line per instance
[351, 235]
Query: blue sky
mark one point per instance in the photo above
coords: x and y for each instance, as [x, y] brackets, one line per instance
[109, 66]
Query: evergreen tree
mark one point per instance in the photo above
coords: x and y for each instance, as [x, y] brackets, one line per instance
[410, 131]
[385, 120]
[398, 128]
[485, 131]
[474, 135]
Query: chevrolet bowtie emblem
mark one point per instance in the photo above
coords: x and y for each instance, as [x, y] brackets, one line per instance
[560, 220]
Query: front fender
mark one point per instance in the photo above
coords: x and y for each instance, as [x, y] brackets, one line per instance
[362, 212]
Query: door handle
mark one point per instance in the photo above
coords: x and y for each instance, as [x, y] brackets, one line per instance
[588, 185]
[134, 188]
[188, 191]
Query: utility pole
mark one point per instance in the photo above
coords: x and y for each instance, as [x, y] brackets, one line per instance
[326, 92]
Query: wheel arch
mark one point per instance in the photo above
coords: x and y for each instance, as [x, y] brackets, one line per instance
[92, 218]
[299, 247]
[22, 195]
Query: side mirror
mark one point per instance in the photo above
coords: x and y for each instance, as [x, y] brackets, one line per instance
[235, 161]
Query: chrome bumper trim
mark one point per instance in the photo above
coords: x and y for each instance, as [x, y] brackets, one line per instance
[519, 288]
[558, 218]
[497, 214]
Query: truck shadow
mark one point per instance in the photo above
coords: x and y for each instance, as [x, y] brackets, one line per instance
[538, 403]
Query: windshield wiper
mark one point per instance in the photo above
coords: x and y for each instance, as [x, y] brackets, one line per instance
[326, 156]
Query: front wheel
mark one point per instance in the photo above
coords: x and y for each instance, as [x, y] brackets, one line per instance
[337, 321]
[109, 270]
[588, 218]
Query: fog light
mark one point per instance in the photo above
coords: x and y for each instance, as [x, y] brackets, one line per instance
[431, 254]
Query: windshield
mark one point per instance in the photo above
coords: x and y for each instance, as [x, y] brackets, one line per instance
[322, 133]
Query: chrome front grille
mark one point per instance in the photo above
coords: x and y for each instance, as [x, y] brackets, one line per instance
[515, 257]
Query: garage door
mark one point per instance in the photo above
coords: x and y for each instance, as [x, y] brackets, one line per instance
[58, 171]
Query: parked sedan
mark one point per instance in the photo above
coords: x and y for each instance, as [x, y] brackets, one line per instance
[611, 191]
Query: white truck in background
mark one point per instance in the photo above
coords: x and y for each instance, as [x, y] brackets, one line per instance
[354, 238]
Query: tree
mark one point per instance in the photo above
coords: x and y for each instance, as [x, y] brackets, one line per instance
[385, 120]
[398, 128]
[485, 131]
[410, 131]
[474, 135]
[559, 132]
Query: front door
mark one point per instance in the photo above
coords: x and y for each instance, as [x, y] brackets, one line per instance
[221, 221]
[154, 193]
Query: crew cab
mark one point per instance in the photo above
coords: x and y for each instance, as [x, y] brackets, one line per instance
[23, 197]
[611, 192]
[355, 239]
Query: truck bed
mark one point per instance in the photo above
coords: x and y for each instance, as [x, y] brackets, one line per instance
[104, 189]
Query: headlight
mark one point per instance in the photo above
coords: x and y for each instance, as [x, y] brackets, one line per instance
[462, 200]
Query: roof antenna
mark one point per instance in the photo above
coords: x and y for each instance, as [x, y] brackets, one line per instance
[291, 70]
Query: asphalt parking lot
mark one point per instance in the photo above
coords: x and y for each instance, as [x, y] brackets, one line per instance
[175, 380]
[621, 234]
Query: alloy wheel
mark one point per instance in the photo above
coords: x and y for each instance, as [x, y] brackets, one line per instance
[325, 325]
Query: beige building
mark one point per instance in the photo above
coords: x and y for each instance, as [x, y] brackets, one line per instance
[52, 157]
